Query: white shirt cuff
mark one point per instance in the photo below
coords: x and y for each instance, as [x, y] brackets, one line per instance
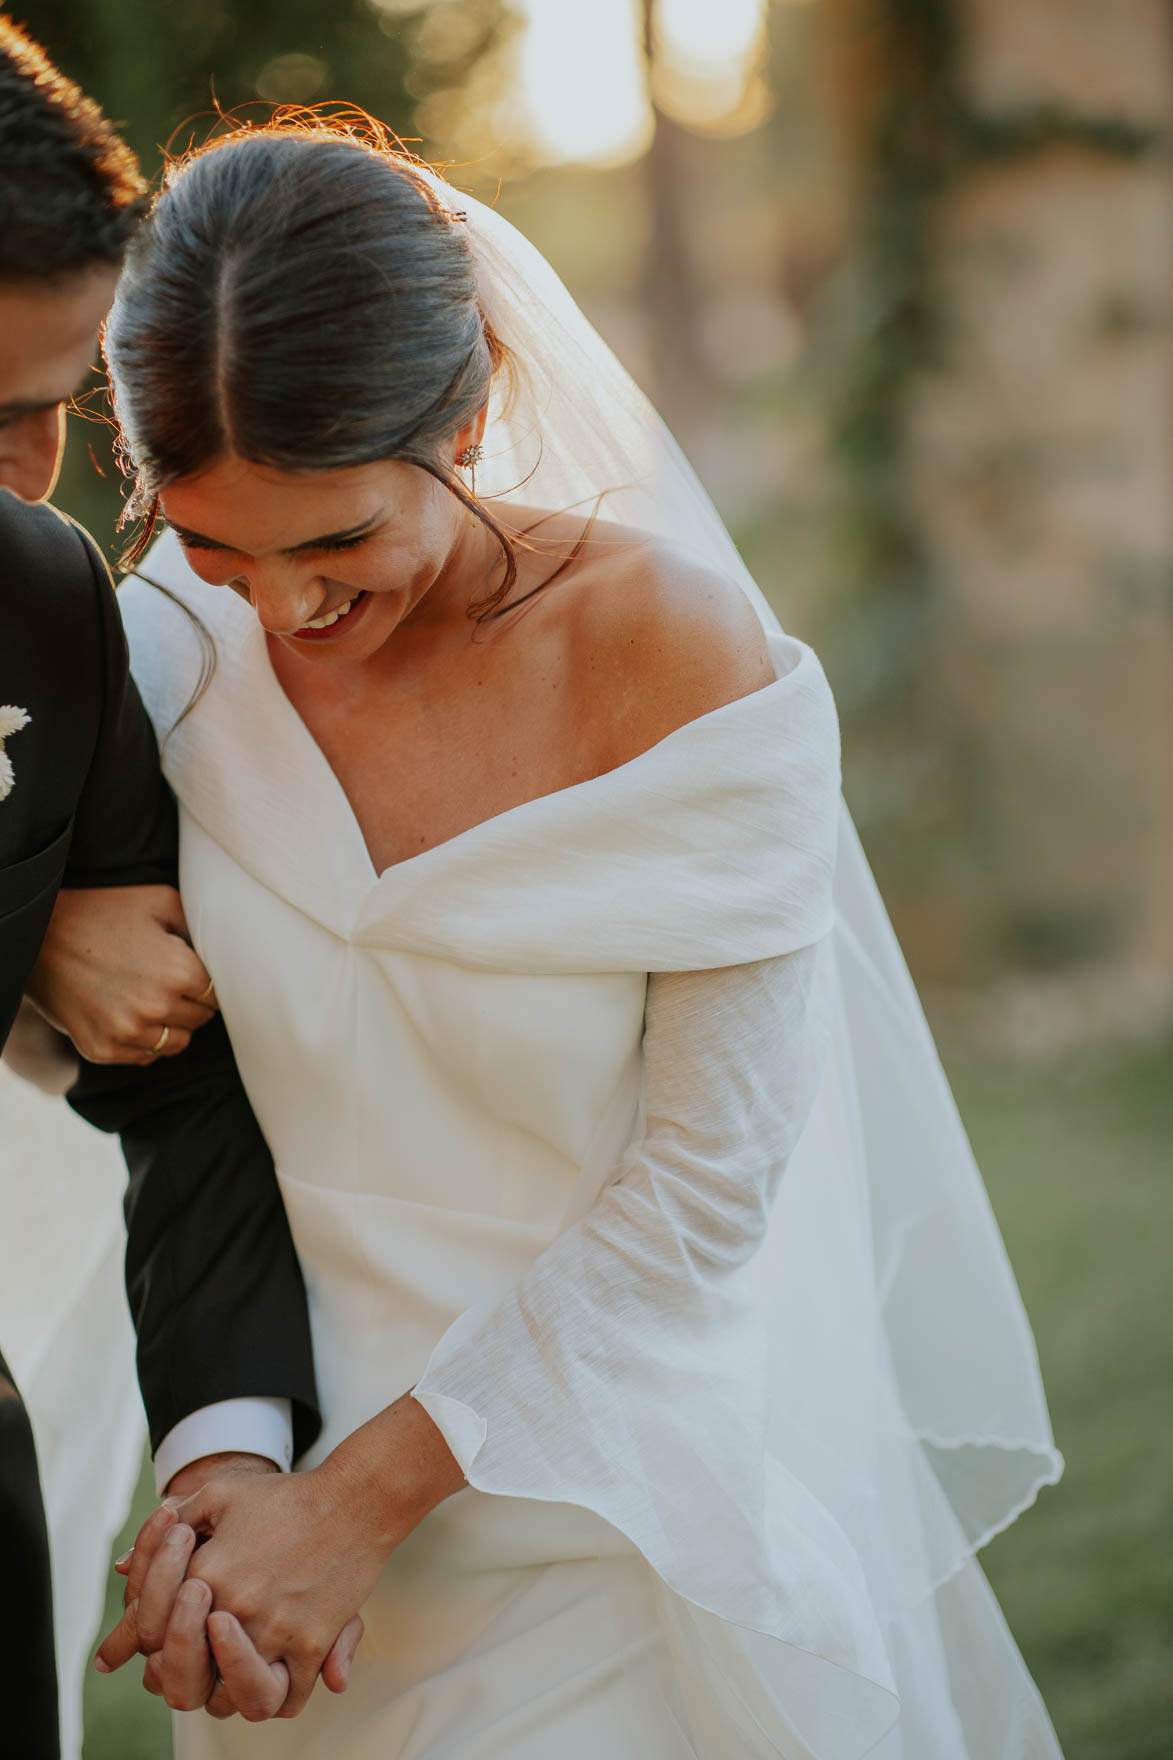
[247, 1426]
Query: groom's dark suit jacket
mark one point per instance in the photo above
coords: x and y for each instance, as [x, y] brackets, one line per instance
[214, 1284]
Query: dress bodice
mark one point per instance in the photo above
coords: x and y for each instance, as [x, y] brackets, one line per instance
[392, 1073]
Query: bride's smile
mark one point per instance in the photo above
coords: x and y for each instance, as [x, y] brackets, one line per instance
[332, 562]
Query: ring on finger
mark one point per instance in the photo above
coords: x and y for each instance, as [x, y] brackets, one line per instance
[221, 1704]
[206, 995]
[160, 1041]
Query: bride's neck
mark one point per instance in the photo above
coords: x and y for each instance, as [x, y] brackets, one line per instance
[474, 568]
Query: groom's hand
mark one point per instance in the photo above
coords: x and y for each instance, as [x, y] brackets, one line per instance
[245, 1683]
[196, 1474]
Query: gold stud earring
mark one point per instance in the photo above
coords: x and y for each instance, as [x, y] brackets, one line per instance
[468, 459]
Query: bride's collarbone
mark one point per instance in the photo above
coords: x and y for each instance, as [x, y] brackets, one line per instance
[424, 759]
[578, 682]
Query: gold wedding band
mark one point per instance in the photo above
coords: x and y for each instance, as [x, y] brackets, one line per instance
[204, 995]
[161, 1041]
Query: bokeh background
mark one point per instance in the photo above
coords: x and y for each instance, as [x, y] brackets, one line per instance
[900, 275]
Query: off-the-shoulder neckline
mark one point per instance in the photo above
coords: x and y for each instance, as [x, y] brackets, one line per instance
[254, 654]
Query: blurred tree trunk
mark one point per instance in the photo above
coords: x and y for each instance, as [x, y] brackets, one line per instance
[1031, 425]
[683, 381]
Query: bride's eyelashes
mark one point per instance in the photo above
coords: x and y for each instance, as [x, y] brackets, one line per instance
[191, 542]
[345, 543]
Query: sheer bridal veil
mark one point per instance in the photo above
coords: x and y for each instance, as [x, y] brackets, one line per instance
[944, 1299]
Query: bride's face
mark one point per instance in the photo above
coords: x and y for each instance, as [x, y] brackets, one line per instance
[354, 551]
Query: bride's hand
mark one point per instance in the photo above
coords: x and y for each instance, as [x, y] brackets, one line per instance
[115, 968]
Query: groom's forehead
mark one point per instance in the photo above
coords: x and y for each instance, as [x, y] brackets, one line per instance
[49, 335]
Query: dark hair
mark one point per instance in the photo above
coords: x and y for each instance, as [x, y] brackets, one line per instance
[299, 296]
[71, 193]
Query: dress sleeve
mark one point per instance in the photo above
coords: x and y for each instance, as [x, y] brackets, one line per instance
[632, 1333]
[628, 1372]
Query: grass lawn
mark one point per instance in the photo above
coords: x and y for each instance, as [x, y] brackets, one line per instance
[1080, 1169]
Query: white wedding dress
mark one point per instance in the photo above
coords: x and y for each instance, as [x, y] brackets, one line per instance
[698, 1521]
[612, 1126]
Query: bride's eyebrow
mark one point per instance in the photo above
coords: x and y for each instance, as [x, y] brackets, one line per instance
[201, 543]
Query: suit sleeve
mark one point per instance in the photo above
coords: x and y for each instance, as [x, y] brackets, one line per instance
[215, 1287]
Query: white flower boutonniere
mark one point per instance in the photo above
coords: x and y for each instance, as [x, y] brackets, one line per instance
[11, 721]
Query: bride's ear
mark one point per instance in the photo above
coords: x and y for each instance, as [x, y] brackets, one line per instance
[469, 437]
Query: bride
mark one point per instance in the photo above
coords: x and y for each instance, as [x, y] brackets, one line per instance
[671, 1365]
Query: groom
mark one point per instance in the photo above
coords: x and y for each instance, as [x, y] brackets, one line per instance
[214, 1283]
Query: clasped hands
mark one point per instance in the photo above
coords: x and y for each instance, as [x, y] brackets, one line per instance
[225, 1595]
[246, 1584]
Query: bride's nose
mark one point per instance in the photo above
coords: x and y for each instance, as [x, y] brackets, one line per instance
[282, 606]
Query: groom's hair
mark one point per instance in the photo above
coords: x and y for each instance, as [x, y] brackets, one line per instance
[71, 193]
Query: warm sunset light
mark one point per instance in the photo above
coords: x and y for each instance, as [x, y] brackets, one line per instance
[582, 76]
[582, 81]
[710, 33]
[706, 63]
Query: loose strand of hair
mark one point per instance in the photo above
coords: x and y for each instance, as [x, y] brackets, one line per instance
[137, 547]
[568, 561]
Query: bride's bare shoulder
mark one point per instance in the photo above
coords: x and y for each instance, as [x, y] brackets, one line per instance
[653, 638]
